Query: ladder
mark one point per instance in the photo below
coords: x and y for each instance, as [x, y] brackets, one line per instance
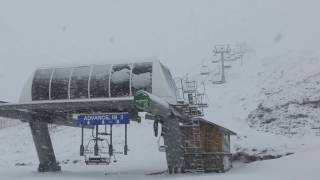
[198, 159]
[196, 148]
[196, 139]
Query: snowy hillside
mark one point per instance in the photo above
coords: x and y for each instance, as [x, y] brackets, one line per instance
[291, 99]
[268, 99]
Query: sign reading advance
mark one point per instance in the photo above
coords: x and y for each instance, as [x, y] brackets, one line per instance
[102, 119]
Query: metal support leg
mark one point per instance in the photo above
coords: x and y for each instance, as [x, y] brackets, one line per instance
[82, 146]
[96, 148]
[111, 143]
[155, 128]
[125, 140]
[173, 140]
[42, 141]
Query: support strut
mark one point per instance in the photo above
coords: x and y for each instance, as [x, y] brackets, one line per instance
[82, 146]
[111, 145]
[96, 148]
[125, 139]
[42, 141]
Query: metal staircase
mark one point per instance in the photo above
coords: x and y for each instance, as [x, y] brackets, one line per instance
[193, 105]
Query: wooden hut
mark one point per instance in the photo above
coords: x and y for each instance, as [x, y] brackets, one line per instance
[207, 146]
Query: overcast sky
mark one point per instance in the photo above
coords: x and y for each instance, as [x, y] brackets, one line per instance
[178, 32]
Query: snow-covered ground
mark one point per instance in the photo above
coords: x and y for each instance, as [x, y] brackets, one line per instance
[18, 152]
[143, 159]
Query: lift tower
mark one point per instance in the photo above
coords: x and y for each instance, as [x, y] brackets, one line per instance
[222, 50]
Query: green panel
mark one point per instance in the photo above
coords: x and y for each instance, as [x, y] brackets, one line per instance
[142, 101]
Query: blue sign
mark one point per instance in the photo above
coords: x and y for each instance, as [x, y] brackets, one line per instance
[103, 119]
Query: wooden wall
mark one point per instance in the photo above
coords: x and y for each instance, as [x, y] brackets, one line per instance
[211, 138]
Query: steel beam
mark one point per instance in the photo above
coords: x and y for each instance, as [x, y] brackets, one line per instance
[42, 141]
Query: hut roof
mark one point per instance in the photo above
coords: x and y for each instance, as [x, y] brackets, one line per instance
[218, 126]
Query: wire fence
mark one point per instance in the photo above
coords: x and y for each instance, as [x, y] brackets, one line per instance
[5, 123]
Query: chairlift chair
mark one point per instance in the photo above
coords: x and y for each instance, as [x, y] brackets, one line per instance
[217, 82]
[98, 150]
[91, 158]
[204, 70]
[232, 59]
[97, 160]
[227, 66]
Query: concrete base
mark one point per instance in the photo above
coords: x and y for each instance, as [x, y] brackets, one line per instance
[49, 167]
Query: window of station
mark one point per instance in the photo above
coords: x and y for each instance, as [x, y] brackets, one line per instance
[120, 80]
[40, 84]
[99, 81]
[60, 83]
[79, 82]
[141, 77]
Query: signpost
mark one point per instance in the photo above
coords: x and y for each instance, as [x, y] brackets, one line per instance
[103, 119]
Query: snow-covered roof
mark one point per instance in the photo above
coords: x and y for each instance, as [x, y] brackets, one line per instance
[228, 131]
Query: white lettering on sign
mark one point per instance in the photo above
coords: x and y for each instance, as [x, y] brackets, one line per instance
[105, 117]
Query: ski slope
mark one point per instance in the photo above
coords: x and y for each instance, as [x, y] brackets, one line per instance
[143, 159]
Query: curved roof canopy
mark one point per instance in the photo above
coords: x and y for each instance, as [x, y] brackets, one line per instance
[95, 81]
[100, 81]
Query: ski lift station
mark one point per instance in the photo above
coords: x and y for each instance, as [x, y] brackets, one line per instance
[97, 97]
